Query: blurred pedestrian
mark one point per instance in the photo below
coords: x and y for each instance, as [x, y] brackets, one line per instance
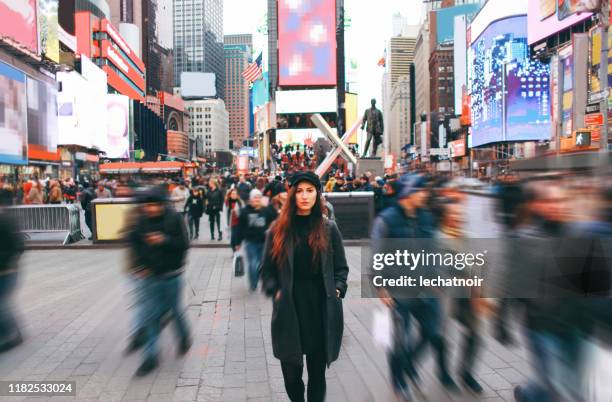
[234, 206]
[11, 248]
[55, 193]
[35, 195]
[304, 270]
[214, 206]
[179, 197]
[87, 196]
[410, 219]
[253, 222]
[195, 209]
[158, 244]
[243, 187]
[102, 191]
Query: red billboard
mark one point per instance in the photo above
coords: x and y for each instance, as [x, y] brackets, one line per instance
[19, 22]
[307, 42]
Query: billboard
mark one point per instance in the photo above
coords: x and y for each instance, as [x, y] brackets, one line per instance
[306, 101]
[42, 120]
[566, 58]
[543, 23]
[118, 124]
[445, 20]
[510, 94]
[13, 115]
[459, 58]
[19, 22]
[96, 81]
[48, 29]
[76, 112]
[307, 42]
[198, 85]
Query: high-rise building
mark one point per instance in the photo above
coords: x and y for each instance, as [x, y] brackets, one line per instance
[272, 47]
[442, 87]
[398, 98]
[198, 40]
[237, 53]
[421, 67]
[147, 27]
[209, 124]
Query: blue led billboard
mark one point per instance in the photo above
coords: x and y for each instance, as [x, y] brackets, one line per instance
[499, 60]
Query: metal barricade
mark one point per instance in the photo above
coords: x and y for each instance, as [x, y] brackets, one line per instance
[353, 212]
[49, 219]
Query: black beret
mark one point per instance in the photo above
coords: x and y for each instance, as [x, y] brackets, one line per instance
[305, 176]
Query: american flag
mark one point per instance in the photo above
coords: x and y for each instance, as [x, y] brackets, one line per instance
[253, 71]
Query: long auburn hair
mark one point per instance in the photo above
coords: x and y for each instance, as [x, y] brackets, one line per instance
[283, 229]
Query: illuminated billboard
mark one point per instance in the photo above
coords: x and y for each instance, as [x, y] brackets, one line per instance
[42, 120]
[118, 123]
[307, 101]
[500, 64]
[13, 112]
[48, 26]
[19, 22]
[307, 42]
[75, 109]
[96, 81]
[544, 21]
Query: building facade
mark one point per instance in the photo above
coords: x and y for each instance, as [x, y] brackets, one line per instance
[400, 120]
[272, 47]
[442, 86]
[209, 125]
[198, 40]
[237, 54]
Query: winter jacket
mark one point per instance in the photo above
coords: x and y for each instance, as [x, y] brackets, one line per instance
[286, 344]
[253, 223]
[165, 259]
[195, 206]
[214, 201]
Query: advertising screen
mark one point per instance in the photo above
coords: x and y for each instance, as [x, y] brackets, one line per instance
[307, 101]
[566, 58]
[307, 42]
[500, 61]
[48, 29]
[547, 8]
[544, 21]
[96, 81]
[19, 22]
[42, 119]
[118, 123]
[75, 110]
[13, 112]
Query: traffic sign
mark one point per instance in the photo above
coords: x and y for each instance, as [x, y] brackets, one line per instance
[438, 151]
[598, 96]
[593, 119]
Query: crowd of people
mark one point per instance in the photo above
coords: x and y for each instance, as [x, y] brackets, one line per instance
[285, 228]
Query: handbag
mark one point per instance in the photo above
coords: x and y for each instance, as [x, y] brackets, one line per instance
[382, 329]
[238, 265]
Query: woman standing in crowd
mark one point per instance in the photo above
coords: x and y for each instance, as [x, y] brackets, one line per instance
[194, 208]
[35, 195]
[214, 205]
[55, 193]
[304, 269]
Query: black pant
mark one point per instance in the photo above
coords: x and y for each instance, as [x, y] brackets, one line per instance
[214, 217]
[88, 222]
[292, 374]
[194, 226]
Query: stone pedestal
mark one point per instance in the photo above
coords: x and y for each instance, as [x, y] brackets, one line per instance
[375, 165]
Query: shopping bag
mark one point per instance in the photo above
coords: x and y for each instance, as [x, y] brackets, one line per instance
[238, 264]
[382, 329]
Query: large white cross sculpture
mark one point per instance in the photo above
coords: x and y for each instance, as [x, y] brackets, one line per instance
[341, 143]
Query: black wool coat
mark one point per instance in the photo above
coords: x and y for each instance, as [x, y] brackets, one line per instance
[286, 343]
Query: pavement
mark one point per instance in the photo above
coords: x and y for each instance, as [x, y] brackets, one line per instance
[74, 307]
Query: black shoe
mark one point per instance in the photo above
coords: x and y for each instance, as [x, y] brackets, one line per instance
[184, 346]
[8, 345]
[136, 342]
[220, 236]
[470, 382]
[448, 383]
[147, 366]
[196, 236]
[503, 336]
[519, 395]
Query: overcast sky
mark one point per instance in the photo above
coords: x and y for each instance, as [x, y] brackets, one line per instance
[365, 40]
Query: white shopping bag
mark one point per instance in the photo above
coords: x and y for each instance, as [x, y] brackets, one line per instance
[382, 328]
